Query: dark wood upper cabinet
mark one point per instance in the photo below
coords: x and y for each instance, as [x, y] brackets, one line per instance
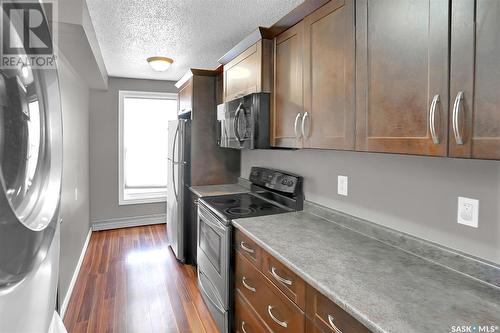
[402, 76]
[250, 72]
[288, 104]
[329, 77]
[475, 79]
[185, 98]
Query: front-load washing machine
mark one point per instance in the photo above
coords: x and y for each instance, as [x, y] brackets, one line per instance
[30, 190]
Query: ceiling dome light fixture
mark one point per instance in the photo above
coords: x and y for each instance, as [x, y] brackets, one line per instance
[160, 64]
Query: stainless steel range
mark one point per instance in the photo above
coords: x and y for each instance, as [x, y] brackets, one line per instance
[272, 192]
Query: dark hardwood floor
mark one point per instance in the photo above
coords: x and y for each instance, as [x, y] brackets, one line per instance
[131, 282]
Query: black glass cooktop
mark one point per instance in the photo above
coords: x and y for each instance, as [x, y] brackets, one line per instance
[235, 206]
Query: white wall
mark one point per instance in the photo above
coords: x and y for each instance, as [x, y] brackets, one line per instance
[104, 151]
[412, 194]
[75, 211]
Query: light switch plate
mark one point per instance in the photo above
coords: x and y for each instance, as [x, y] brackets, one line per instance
[342, 185]
[468, 212]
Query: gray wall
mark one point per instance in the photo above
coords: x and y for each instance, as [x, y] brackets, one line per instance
[104, 150]
[413, 194]
[75, 211]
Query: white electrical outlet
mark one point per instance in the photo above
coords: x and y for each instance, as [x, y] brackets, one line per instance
[76, 193]
[468, 212]
[342, 186]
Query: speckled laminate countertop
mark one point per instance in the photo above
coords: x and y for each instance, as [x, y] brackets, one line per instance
[385, 288]
[212, 190]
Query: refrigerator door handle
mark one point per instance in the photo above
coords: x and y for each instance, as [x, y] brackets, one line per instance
[174, 163]
[175, 144]
[173, 182]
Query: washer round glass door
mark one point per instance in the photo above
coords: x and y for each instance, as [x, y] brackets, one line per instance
[30, 168]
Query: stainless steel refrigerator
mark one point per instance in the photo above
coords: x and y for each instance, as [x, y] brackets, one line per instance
[178, 162]
[194, 158]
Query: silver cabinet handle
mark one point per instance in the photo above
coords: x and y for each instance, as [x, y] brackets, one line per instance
[276, 320]
[279, 278]
[331, 320]
[244, 281]
[243, 326]
[298, 135]
[432, 120]
[456, 117]
[303, 127]
[246, 248]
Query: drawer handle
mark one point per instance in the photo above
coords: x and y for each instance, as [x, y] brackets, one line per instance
[243, 280]
[279, 278]
[331, 320]
[276, 320]
[246, 248]
[243, 326]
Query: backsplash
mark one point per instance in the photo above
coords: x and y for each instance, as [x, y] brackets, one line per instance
[414, 195]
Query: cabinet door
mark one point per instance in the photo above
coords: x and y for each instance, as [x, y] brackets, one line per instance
[250, 72]
[475, 79]
[288, 103]
[186, 96]
[329, 82]
[242, 75]
[401, 65]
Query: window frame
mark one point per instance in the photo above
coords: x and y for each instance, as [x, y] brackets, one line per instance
[122, 94]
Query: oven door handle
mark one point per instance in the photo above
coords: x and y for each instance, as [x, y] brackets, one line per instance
[207, 294]
[216, 225]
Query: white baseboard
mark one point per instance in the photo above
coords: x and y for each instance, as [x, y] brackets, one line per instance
[72, 283]
[126, 222]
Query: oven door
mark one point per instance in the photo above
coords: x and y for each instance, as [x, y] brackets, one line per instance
[214, 254]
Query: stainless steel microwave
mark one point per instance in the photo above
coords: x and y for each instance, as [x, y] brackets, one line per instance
[244, 122]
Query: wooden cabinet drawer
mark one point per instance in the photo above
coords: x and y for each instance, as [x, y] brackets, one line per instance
[286, 280]
[245, 318]
[277, 311]
[248, 248]
[326, 316]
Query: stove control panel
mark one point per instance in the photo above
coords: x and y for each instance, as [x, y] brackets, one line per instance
[276, 180]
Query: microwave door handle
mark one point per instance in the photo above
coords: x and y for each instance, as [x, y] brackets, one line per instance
[236, 122]
[224, 126]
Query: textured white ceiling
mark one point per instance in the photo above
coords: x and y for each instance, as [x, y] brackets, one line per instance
[195, 33]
